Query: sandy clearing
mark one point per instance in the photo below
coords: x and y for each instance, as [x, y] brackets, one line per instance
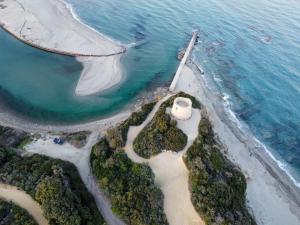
[171, 176]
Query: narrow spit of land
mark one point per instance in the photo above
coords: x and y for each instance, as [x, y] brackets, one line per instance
[52, 26]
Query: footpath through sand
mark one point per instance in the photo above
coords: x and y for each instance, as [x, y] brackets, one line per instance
[171, 174]
[81, 159]
[22, 199]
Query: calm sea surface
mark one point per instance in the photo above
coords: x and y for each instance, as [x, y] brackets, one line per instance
[249, 50]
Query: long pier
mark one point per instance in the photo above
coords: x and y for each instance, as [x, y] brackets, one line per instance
[183, 61]
[56, 51]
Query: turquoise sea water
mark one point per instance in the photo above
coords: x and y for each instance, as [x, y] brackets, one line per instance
[249, 50]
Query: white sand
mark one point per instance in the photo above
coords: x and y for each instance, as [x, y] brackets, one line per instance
[51, 24]
[267, 195]
[81, 159]
[98, 74]
[171, 174]
[22, 199]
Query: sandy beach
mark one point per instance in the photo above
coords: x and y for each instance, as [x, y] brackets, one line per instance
[52, 25]
[22, 199]
[271, 195]
[8, 119]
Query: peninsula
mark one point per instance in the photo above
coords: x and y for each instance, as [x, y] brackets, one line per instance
[174, 159]
[52, 26]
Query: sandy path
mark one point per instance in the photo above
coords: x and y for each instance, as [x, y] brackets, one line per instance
[135, 130]
[22, 199]
[270, 202]
[171, 174]
[52, 25]
[81, 159]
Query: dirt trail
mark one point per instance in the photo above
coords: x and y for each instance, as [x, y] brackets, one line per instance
[171, 174]
[22, 199]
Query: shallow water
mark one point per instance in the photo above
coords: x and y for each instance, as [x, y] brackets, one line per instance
[250, 51]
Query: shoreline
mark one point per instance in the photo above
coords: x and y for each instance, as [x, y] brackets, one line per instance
[9, 118]
[271, 194]
[243, 131]
[53, 26]
[76, 17]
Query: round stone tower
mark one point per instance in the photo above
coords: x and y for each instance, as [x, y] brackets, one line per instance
[182, 108]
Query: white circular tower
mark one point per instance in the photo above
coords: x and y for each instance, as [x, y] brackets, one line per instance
[182, 108]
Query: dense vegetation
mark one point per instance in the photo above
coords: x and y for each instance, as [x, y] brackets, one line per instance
[217, 186]
[11, 214]
[130, 186]
[117, 136]
[78, 139]
[55, 184]
[11, 138]
[162, 133]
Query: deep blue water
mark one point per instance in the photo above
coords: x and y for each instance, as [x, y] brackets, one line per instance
[249, 50]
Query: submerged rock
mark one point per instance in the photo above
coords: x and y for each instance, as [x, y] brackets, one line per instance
[181, 54]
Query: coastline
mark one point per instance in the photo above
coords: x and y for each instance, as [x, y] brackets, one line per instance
[271, 194]
[9, 118]
[53, 26]
[247, 150]
[244, 134]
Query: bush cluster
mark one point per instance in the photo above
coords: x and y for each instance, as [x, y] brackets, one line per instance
[117, 136]
[15, 215]
[11, 138]
[77, 139]
[55, 184]
[130, 186]
[162, 133]
[217, 186]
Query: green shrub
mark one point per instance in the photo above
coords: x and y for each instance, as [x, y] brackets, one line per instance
[13, 214]
[55, 184]
[217, 186]
[77, 139]
[12, 138]
[117, 136]
[129, 186]
[162, 133]
[49, 193]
